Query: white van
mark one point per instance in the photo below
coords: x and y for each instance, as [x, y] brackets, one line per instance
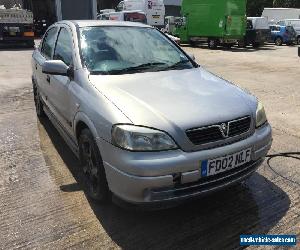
[274, 15]
[154, 10]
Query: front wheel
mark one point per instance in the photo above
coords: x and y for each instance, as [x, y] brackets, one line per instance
[94, 177]
[278, 41]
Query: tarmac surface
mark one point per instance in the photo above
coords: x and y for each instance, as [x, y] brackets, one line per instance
[42, 205]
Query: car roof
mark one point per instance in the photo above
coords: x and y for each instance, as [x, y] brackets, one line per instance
[102, 23]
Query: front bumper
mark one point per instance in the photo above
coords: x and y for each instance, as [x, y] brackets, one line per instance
[140, 178]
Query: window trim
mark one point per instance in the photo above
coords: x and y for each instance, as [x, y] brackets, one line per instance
[45, 37]
[72, 42]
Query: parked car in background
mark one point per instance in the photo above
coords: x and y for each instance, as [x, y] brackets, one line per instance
[257, 32]
[147, 123]
[292, 22]
[283, 35]
[104, 14]
[103, 17]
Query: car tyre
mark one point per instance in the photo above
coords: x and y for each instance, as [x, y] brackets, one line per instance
[212, 43]
[192, 43]
[94, 177]
[242, 44]
[278, 41]
[290, 44]
[39, 106]
[256, 45]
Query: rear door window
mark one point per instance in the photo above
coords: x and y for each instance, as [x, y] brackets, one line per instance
[49, 43]
[63, 49]
[290, 29]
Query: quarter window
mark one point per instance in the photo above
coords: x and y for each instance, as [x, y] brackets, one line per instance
[63, 49]
[49, 43]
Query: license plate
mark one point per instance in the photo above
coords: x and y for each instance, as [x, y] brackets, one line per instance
[156, 17]
[222, 164]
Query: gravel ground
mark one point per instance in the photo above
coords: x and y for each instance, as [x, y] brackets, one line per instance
[42, 205]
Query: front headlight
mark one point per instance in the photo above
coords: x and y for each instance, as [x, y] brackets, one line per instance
[261, 117]
[136, 138]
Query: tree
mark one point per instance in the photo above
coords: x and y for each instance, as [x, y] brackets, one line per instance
[256, 7]
[286, 3]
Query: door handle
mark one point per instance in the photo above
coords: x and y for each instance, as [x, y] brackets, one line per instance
[48, 78]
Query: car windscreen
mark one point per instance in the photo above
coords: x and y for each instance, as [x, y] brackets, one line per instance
[122, 50]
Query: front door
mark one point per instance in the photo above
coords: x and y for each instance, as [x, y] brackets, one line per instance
[59, 96]
[45, 53]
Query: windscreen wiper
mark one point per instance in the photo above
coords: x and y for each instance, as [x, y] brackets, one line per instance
[137, 68]
[178, 64]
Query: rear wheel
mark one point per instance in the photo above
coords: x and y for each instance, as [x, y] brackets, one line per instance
[212, 43]
[290, 44]
[278, 41]
[192, 43]
[256, 45]
[241, 44]
[94, 177]
[38, 102]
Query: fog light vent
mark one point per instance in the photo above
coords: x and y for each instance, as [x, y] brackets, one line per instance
[177, 178]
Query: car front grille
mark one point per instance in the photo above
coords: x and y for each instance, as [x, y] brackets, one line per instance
[218, 132]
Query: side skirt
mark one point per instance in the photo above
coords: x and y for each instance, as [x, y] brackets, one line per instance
[72, 145]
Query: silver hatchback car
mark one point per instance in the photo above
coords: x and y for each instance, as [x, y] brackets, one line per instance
[148, 124]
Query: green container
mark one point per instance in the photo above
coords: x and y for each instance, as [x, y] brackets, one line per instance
[221, 20]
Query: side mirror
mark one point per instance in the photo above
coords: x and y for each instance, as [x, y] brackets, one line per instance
[55, 67]
[192, 57]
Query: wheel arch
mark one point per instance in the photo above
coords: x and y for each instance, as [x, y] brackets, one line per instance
[82, 121]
